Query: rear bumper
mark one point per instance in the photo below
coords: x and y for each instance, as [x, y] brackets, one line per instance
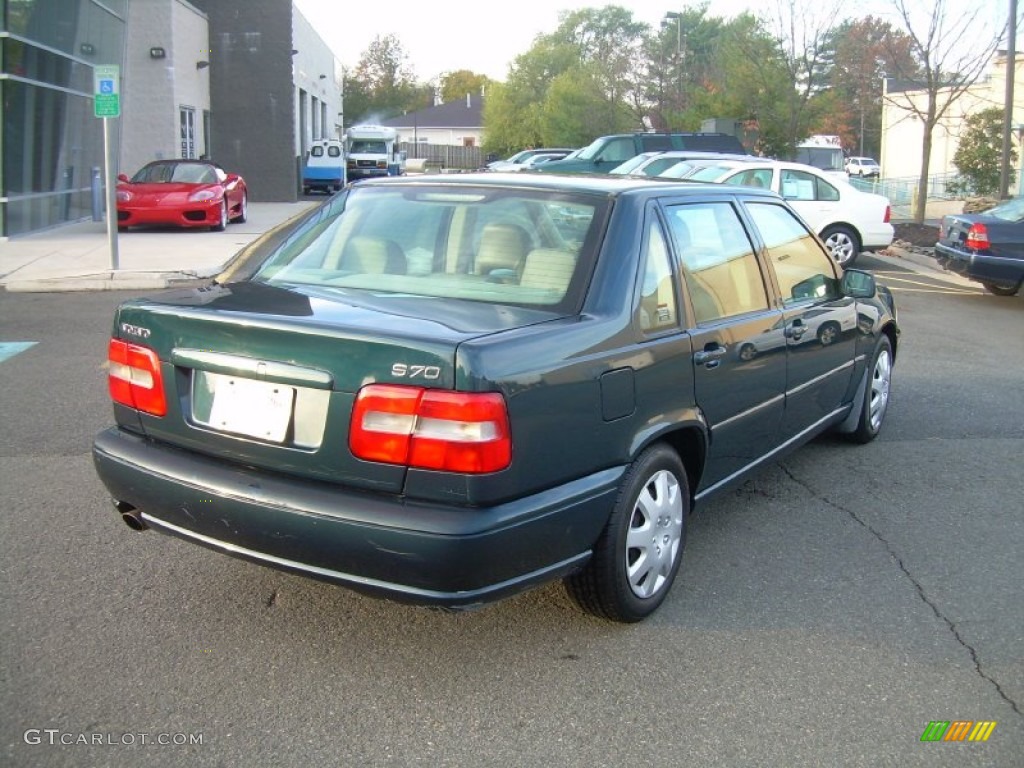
[977, 266]
[378, 544]
[878, 237]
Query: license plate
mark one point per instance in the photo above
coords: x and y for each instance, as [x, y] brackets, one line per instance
[252, 408]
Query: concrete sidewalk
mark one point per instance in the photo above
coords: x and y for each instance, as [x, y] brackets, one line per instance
[76, 257]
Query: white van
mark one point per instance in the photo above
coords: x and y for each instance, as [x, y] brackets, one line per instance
[325, 167]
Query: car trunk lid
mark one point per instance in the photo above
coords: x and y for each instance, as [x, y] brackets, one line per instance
[267, 376]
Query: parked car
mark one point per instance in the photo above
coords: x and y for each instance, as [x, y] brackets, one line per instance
[445, 390]
[987, 246]
[607, 152]
[532, 163]
[659, 163]
[181, 193]
[863, 166]
[513, 162]
[847, 219]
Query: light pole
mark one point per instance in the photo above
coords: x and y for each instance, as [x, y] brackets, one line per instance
[677, 17]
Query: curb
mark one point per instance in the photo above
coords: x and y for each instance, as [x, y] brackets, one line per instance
[105, 281]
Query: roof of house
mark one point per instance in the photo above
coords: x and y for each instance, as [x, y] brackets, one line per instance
[462, 113]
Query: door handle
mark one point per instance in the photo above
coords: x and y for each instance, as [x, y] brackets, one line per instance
[709, 354]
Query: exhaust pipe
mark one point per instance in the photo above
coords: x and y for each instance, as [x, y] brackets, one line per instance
[131, 516]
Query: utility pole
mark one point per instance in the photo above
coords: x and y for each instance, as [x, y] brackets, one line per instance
[1011, 71]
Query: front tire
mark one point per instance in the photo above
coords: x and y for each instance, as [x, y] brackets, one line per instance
[843, 243]
[638, 555]
[222, 223]
[1002, 289]
[243, 210]
[876, 394]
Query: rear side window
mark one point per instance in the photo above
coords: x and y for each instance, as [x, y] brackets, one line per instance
[658, 307]
[655, 143]
[720, 270]
[804, 271]
[799, 185]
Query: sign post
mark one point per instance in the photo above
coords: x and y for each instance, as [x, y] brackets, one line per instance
[107, 105]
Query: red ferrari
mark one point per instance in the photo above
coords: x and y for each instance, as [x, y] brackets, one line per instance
[181, 193]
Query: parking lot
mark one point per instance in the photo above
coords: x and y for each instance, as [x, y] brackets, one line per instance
[827, 610]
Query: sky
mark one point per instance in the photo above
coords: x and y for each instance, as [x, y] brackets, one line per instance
[486, 37]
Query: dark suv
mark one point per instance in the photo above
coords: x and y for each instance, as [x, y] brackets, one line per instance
[445, 390]
[607, 152]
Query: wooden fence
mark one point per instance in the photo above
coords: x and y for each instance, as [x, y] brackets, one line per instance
[444, 156]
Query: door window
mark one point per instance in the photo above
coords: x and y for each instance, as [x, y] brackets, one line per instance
[719, 266]
[803, 268]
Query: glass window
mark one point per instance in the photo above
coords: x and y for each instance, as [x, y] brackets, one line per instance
[719, 266]
[526, 248]
[658, 308]
[618, 150]
[800, 185]
[803, 268]
[760, 177]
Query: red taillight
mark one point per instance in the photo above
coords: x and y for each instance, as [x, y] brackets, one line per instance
[977, 237]
[888, 214]
[134, 377]
[431, 429]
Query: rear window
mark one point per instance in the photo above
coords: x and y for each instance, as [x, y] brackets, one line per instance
[520, 247]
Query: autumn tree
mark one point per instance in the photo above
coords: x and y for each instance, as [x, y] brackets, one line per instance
[947, 63]
[862, 52]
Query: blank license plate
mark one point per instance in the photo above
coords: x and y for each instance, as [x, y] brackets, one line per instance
[254, 408]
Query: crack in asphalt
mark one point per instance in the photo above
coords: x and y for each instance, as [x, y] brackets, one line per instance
[917, 585]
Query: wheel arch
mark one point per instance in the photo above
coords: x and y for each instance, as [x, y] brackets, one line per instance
[689, 441]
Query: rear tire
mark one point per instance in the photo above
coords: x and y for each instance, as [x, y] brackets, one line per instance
[876, 394]
[843, 243]
[1002, 289]
[638, 555]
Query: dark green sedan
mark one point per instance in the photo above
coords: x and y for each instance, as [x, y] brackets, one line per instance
[445, 390]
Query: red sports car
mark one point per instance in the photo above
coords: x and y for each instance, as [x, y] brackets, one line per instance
[181, 193]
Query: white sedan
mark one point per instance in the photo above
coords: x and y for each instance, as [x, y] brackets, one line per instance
[847, 220]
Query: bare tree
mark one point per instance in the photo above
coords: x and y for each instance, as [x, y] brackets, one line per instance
[802, 28]
[948, 64]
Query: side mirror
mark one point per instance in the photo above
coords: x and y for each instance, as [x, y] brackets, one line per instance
[122, 177]
[858, 284]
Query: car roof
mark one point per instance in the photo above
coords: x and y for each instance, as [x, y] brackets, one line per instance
[586, 183]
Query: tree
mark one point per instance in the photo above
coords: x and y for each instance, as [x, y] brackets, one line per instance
[382, 84]
[455, 85]
[800, 29]
[946, 65]
[977, 155]
[862, 52]
[597, 50]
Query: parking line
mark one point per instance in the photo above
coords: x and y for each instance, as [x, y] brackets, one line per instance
[9, 349]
